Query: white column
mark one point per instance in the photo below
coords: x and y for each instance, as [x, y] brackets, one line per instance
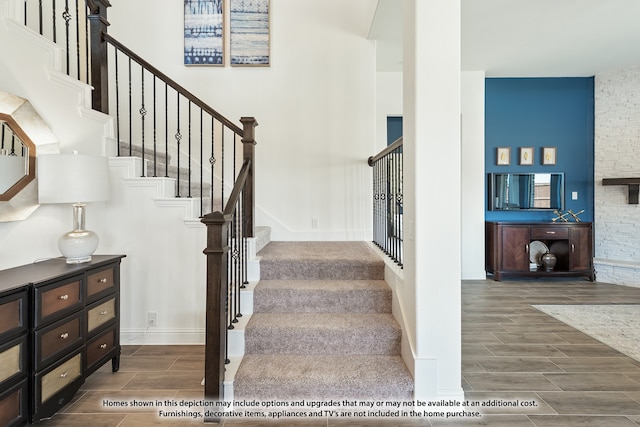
[432, 191]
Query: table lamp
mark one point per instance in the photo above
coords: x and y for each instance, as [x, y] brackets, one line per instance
[77, 179]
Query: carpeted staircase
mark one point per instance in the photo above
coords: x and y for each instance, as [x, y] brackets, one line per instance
[322, 327]
[156, 166]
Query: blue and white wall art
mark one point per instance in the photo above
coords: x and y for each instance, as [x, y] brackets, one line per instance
[249, 23]
[203, 32]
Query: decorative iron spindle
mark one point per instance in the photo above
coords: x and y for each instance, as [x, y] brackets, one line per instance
[143, 115]
[66, 15]
[387, 170]
[155, 131]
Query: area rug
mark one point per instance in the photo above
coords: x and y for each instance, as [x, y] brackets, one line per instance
[617, 326]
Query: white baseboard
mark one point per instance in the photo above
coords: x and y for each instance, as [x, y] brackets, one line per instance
[162, 336]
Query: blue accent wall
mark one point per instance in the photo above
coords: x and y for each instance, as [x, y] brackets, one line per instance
[542, 112]
[394, 129]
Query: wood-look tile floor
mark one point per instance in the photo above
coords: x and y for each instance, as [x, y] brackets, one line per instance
[510, 351]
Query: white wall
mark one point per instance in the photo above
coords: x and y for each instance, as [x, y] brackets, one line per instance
[315, 106]
[389, 103]
[617, 155]
[472, 191]
[432, 146]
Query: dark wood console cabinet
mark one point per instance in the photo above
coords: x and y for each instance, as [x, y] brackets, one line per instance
[508, 246]
[58, 324]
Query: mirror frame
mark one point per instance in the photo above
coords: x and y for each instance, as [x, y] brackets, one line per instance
[491, 192]
[31, 168]
[33, 128]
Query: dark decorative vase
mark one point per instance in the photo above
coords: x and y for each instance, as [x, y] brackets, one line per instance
[548, 261]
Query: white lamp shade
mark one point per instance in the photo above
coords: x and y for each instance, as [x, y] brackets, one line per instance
[72, 178]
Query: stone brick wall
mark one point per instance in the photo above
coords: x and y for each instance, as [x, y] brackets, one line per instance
[617, 155]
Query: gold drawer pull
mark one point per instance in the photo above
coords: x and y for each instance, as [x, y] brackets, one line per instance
[104, 312]
[103, 280]
[64, 297]
[64, 336]
[550, 232]
[65, 375]
[103, 346]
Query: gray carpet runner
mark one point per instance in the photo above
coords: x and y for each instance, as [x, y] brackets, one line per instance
[322, 327]
[158, 165]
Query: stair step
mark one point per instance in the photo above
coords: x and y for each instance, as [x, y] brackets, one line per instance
[320, 260]
[323, 377]
[322, 296]
[134, 150]
[313, 333]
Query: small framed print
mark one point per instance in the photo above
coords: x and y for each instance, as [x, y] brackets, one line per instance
[503, 156]
[526, 156]
[549, 155]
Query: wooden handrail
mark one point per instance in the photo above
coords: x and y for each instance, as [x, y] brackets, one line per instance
[237, 188]
[172, 83]
[397, 143]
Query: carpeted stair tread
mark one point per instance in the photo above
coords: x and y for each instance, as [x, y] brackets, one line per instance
[320, 260]
[320, 333]
[322, 296]
[322, 327]
[296, 377]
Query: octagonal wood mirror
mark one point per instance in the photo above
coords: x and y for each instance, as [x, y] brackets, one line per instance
[23, 134]
[17, 158]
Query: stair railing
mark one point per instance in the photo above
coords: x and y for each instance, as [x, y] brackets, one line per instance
[226, 252]
[387, 200]
[176, 133]
[179, 125]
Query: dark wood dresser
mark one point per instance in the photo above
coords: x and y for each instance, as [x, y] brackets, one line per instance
[510, 248]
[58, 324]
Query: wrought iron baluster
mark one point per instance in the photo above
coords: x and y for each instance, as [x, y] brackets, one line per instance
[143, 115]
[155, 133]
[201, 162]
[55, 35]
[40, 18]
[212, 163]
[130, 112]
[189, 155]
[166, 129]
[117, 75]
[67, 18]
[222, 170]
[178, 138]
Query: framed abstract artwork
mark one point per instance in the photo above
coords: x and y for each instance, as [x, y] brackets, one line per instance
[249, 32]
[204, 32]
[526, 155]
[549, 155]
[503, 156]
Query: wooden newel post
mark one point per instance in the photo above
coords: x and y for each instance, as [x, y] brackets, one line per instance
[99, 68]
[217, 252]
[249, 195]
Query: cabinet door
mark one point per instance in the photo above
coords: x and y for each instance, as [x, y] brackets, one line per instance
[515, 248]
[580, 248]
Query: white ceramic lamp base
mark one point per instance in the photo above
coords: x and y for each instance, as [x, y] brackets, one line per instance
[78, 245]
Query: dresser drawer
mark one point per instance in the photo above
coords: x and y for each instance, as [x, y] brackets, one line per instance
[13, 405]
[55, 300]
[549, 233]
[101, 347]
[12, 359]
[58, 378]
[101, 313]
[13, 311]
[59, 338]
[101, 283]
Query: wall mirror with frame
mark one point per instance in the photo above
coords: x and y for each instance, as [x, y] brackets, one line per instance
[526, 191]
[23, 135]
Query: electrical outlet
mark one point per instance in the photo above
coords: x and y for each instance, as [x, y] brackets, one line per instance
[152, 319]
[314, 222]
